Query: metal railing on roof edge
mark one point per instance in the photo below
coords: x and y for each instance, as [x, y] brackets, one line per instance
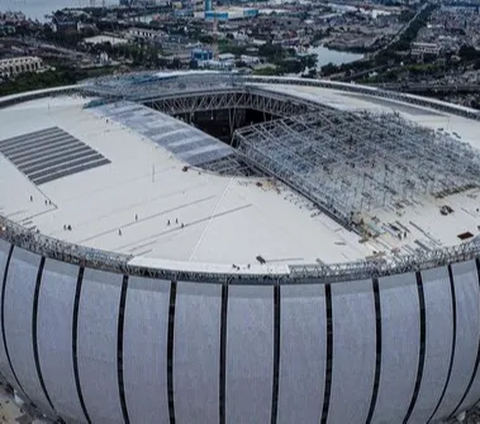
[63, 251]
[116, 262]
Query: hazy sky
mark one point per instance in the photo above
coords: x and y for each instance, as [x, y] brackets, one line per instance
[38, 8]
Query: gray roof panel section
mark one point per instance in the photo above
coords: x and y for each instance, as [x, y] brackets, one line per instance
[50, 154]
[188, 144]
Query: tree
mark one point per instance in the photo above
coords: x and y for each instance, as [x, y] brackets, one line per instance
[329, 69]
[468, 53]
[267, 71]
[272, 52]
[176, 63]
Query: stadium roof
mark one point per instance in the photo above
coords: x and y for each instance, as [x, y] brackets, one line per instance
[121, 188]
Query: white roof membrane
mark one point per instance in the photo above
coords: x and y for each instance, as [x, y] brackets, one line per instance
[138, 203]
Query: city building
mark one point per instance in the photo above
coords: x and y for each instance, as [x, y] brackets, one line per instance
[105, 38]
[17, 65]
[421, 49]
[145, 34]
[64, 25]
[320, 267]
[230, 13]
[201, 55]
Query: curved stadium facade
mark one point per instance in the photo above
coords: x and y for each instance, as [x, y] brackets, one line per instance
[320, 267]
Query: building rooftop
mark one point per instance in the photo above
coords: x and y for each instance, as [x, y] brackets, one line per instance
[142, 199]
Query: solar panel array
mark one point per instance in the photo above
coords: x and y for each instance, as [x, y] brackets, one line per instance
[189, 144]
[50, 154]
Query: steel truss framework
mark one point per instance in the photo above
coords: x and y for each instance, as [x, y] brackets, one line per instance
[232, 99]
[350, 163]
[150, 86]
[145, 87]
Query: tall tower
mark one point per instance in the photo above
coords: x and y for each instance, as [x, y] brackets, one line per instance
[208, 6]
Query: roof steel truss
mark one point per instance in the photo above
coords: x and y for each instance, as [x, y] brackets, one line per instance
[348, 163]
[264, 101]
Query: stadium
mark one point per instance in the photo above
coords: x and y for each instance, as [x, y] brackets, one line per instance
[201, 247]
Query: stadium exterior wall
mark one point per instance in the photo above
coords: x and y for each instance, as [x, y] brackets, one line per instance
[88, 345]
[89, 342]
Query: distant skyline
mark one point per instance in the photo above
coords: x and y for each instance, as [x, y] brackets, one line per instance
[37, 9]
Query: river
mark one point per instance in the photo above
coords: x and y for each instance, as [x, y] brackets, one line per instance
[37, 9]
[325, 56]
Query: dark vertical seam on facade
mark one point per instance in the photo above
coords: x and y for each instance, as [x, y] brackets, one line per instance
[2, 312]
[76, 374]
[378, 350]
[477, 359]
[4, 379]
[223, 353]
[121, 321]
[421, 355]
[35, 330]
[328, 367]
[454, 337]
[276, 351]
[170, 347]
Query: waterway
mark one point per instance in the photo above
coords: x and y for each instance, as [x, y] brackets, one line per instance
[326, 56]
[38, 9]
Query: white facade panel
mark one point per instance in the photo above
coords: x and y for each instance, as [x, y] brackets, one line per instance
[4, 367]
[467, 334]
[473, 395]
[54, 323]
[196, 360]
[438, 342]
[354, 336]
[145, 350]
[400, 347]
[4, 250]
[97, 345]
[249, 362]
[302, 354]
[474, 392]
[19, 295]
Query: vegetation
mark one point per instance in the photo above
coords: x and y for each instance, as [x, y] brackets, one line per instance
[273, 52]
[226, 46]
[468, 53]
[297, 65]
[320, 35]
[406, 15]
[267, 71]
[49, 79]
[411, 32]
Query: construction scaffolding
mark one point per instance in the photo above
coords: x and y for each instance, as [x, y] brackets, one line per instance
[350, 164]
[147, 86]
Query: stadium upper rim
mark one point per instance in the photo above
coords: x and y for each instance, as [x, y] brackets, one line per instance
[180, 270]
